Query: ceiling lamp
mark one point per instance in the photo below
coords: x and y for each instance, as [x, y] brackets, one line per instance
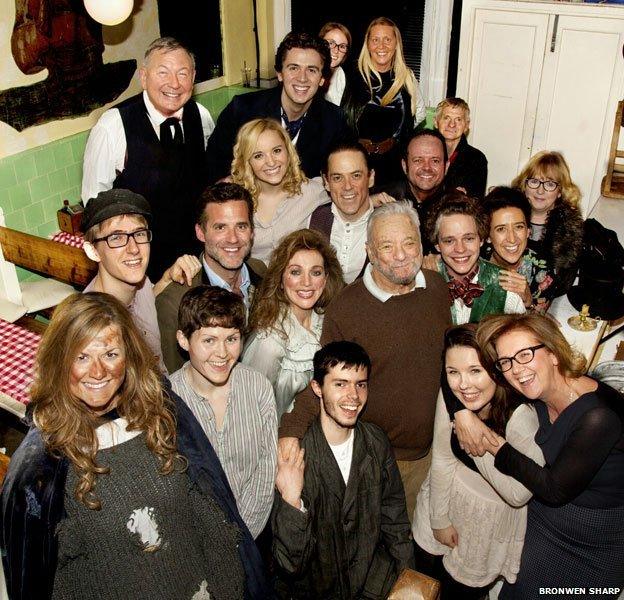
[109, 12]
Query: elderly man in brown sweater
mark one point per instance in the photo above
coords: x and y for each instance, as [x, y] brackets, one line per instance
[398, 312]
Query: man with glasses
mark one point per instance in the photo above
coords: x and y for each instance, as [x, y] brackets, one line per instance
[117, 237]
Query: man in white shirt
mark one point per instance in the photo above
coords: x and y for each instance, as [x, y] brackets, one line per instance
[348, 178]
[154, 144]
[457, 230]
[340, 525]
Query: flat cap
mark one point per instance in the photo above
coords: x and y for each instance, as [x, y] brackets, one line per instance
[113, 203]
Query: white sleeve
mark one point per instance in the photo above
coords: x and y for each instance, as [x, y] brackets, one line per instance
[206, 121]
[421, 108]
[104, 156]
[443, 467]
[520, 433]
[514, 304]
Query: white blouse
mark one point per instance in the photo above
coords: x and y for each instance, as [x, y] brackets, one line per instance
[285, 361]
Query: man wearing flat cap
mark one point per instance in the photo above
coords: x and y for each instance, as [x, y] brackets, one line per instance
[117, 237]
[154, 144]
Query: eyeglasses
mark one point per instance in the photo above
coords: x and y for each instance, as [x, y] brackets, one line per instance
[341, 47]
[534, 183]
[522, 357]
[119, 240]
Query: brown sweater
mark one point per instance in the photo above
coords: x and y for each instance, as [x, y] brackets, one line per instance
[404, 337]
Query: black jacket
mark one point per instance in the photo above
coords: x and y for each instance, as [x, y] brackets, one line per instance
[33, 505]
[354, 540]
[323, 127]
[468, 170]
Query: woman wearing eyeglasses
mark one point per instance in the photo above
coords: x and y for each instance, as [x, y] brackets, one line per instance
[339, 39]
[575, 523]
[556, 222]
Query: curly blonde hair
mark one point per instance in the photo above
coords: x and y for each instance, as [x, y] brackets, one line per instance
[67, 425]
[244, 148]
[403, 76]
[269, 308]
[550, 165]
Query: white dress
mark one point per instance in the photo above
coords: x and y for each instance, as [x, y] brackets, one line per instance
[488, 510]
[285, 361]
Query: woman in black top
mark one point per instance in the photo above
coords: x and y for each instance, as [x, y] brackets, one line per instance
[382, 100]
[575, 526]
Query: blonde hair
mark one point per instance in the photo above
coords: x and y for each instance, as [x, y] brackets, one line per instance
[245, 146]
[67, 425]
[453, 103]
[403, 76]
[554, 166]
[570, 362]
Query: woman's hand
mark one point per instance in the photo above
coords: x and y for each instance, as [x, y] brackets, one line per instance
[447, 536]
[472, 433]
[381, 198]
[491, 448]
[289, 478]
[511, 281]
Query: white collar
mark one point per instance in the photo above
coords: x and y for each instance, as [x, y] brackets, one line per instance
[155, 116]
[362, 219]
[382, 295]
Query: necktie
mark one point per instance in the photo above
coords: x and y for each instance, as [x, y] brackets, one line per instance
[166, 139]
[292, 127]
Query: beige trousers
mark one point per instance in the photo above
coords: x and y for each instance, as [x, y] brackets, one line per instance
[413, 473]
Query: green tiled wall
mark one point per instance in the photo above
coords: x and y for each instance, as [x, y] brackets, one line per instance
[33, 184]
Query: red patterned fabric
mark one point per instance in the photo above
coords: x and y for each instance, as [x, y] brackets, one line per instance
[69, 239]
[464, 288]
[18, 347]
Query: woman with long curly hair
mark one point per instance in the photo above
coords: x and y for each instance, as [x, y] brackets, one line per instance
[286, 318]
[382, 99]
[467, 512]
[116, 492]
[556, 221]
[266, 163]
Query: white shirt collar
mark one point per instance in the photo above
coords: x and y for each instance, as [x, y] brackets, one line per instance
[382, 295]
[362, 219]
[155, 116]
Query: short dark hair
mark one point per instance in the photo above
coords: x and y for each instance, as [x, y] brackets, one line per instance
[434, 133]
[505, 197]
[304, 41]
[220, 193]
[453, 203]
[352, 146]
[348, 354]
[210, 306]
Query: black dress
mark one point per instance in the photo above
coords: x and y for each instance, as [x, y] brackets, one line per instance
[575, 522]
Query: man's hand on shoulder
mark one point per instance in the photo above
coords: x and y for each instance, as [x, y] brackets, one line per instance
[289, 479]
[182, 271]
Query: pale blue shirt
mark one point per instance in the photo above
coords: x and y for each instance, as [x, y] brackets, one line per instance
[218, 282]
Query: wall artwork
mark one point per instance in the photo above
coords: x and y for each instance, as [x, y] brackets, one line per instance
[59, 36]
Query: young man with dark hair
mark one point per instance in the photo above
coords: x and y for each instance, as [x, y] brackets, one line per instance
[224, 224]
[233, 403]
[339, 522]
[302, 64]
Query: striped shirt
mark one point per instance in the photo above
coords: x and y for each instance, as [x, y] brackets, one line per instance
[247, 443]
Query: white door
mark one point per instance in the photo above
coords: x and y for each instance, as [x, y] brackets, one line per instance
[582, 82]
[499, 76]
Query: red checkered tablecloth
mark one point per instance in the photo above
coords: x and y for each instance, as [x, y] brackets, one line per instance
[18, 347]
[69, 239]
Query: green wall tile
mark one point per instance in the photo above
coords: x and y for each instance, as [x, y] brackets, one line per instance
[63, 155]
[44, 160]
[15, 220]
[58, 180]
[24, 167]
[20, 195]
[39, 188]
[48, 228]
[33, 215]
[74, 175]
[50, 206]
[7, 176]
[78, 146]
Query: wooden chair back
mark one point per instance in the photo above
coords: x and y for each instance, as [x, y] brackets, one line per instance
[59, 261]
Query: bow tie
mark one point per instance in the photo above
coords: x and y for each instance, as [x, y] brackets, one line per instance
[464, 288]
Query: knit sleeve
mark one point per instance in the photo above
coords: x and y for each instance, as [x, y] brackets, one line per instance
[585, 450]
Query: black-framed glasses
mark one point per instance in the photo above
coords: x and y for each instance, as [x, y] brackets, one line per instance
[119, 240]
[522, 357]
[549, 185]
[341, 47]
